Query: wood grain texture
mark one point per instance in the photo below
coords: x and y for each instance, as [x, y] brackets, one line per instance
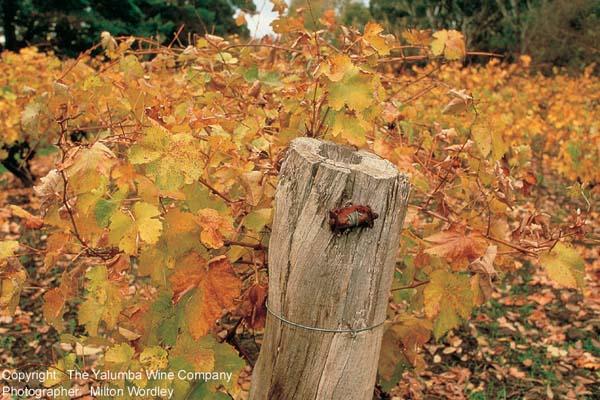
[320, 279]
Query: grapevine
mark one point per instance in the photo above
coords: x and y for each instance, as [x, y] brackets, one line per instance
[159, 202]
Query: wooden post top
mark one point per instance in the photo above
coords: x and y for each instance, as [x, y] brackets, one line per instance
[344, 157]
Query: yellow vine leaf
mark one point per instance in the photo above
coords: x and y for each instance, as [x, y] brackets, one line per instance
[8, 249]
[119, 356]
[447, 299]
[350, 128]
[124, 232]
[107, 41]
[12, 279]
[92, 82]
[103, 302]
[57, 372]
[150, 148]
[336, 67]
[228, 359]
[87, 168]
[499, 146]
[258, 219]
[154, 262]
[564, 265]
[154, 358]
[31, 116]
[180, 234]
[483, 140]
[131, 67]
[374, 37]
[170, 160]
[251, 181]
[450, 43]
[355, 90]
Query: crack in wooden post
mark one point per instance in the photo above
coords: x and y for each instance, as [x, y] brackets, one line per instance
[323, 280]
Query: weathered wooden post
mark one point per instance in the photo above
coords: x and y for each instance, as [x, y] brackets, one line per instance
[328, 293]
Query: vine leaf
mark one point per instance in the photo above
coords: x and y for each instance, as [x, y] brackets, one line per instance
[483, 139]
[214, 289]
[457, 247]
[374, 37]
[253, 307]
[56, 374]
[400, 344]
[119, 356]
[187, 275]
[12, 279]
[450, 43]
[197, 353]
[258, 219]
[170, 160]
[336, 67]
[55, 246]
[124, 232]
[53, 308]
[30, 221]
[8, 249]
[447, 299]
[350, 127]
[215, 227]
[279, 6]
[103, 302]
[460, 102]
[417, 37]
[154, 358]
[355, 89]
[227, 359]
[87, 169]
[564, 265]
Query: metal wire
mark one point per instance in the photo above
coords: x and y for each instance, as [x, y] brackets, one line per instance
[353, 332]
